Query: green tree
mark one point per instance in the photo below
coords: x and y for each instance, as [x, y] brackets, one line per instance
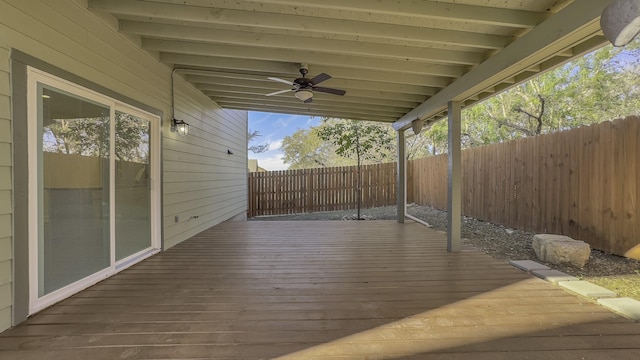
[602, 85]
[305, 150]
[355, 138]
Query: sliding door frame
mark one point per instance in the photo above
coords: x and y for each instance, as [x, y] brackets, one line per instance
[34, 77]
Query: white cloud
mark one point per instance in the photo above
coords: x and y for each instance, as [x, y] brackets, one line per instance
[275, 145]
[272, 162]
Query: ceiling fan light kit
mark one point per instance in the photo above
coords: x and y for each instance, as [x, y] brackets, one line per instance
[304, 94]
[620, 21]
[304, 87]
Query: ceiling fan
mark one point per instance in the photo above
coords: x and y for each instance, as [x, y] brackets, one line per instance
[304, 87]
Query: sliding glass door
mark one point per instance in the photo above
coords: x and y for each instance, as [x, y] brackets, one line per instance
[92, 166]
[133, 184]
[73, 204]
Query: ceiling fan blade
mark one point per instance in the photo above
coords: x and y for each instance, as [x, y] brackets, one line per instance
[320, 78]
[329, 90]
[278, 92]
[282, 81]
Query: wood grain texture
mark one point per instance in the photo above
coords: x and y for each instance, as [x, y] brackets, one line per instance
[322, 290]
[582, 183]
[322, 189]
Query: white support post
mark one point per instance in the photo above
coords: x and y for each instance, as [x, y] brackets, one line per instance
[454, 188]
[402, 177]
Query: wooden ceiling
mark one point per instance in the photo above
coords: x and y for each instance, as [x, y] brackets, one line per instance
[397, 60]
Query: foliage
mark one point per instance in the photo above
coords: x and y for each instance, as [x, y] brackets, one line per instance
[256, 148]
[362, 140]
[365, 141]
[305, 150]
[90, 137]
[599, 86]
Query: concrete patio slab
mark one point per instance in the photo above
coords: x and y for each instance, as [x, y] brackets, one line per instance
[587, 289]
[625, 306]
[554, 276]
[528, 265]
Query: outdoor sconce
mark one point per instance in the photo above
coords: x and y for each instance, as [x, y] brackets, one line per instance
[416, 126]
[179, 126]
[620, 21]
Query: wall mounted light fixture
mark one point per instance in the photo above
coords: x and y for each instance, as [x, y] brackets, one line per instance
[179, 126]
[620, 21]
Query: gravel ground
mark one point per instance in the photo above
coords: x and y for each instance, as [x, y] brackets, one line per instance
[498, 241]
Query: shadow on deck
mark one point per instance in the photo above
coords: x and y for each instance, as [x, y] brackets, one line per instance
[322, 290]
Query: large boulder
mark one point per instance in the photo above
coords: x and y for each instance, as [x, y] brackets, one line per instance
[558, 249]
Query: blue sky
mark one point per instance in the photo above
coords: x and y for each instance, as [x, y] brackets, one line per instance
[274, 128]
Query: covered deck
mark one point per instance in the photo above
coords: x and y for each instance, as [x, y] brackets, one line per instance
[322, 290]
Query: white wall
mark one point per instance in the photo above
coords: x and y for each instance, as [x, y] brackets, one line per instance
[200, 179]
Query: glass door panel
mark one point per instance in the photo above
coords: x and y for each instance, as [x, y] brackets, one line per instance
[132, 185]
[73, 178]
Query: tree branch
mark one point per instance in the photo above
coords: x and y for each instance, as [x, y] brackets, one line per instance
[515, 127]
[538, 118]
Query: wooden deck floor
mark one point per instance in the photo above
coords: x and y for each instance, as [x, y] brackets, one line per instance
[322, 290]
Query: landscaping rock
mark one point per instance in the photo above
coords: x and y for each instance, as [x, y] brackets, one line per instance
[558, 249]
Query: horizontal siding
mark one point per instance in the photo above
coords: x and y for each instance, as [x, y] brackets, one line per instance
[102, 55]
[5, 315]
[69, 36]
[5, 244]
[202, 184]
[5, 296]
[5, 272]
[6, 226]
[65, 34]
[5, 130]
[5, 154]
[5, 202]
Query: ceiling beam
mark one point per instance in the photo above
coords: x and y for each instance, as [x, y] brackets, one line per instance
[352, 100]
[243, 44]
[347, 74]
[426, 10]
[265, 83]
[222, 62]
[318, 105]
[324, 99]
[308, 111]
[390, 12]
[320, 27]
[573, 24]
[355, 93]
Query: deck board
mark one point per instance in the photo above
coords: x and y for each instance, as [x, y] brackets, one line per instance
[322, 290]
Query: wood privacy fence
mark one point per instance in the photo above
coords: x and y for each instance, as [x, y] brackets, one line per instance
[583, 183]
[322, 189]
